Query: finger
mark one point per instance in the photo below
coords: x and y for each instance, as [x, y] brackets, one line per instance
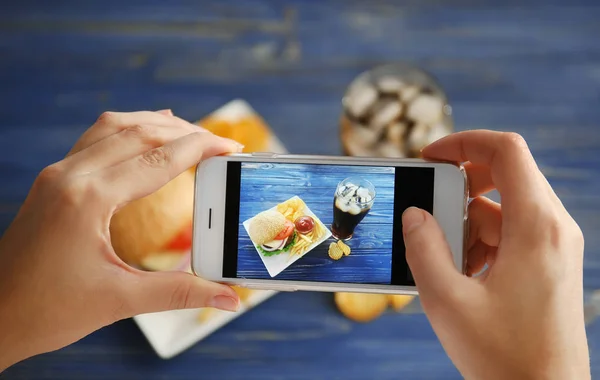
[480, 179]
[151, 170]
[429, 256]
[162, 291]
[479, 255]
[512, 168]
[123, 145]
[113, 122]
[485, 222]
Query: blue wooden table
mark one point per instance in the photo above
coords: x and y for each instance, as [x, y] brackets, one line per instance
[371, 257]
[529, 67]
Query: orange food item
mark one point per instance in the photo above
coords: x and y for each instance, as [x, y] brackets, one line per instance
[361, 307]
[243, 293]
[208, 313]
[399, 301]
[251, 131]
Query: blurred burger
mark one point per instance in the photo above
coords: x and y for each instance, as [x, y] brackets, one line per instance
[272, 232]
[155, 232]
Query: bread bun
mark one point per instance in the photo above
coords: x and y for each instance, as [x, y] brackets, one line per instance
[146, 226]
[265, 226]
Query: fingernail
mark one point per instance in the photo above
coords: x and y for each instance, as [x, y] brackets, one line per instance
[412, 218]
[166, 112]
[225, 303]
[238, 147]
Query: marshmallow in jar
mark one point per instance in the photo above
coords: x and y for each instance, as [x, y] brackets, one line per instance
[393, 111]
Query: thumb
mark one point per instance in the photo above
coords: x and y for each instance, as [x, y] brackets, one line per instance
[161, 291]
[428, 254]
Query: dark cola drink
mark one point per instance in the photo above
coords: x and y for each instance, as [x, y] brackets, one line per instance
[344, 222]
[352, 202]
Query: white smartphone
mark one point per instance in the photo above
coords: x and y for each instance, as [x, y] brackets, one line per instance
[319, 223]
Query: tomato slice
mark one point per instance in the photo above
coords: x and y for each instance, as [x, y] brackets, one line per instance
[182, 241]
[287, 231]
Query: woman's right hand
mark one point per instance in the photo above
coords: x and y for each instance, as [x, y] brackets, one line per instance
[522, 318]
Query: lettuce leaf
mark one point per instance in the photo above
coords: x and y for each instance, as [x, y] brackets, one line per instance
[286, 248]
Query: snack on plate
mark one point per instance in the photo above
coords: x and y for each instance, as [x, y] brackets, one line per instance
[308, 229]
[304, 224]
[308, 238]
[272, 232]
[361, 307]
[159, 224]
[292, 209]
[250, 131]
[285, 228]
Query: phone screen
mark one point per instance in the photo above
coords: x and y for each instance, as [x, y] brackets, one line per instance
[321, 222]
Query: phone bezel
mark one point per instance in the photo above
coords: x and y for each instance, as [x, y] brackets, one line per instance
[450, 185]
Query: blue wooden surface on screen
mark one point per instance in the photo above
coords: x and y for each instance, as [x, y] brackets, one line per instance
[527, 66]
[263, 187]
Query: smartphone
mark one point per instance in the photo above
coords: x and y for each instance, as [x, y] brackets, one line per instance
[319, 223]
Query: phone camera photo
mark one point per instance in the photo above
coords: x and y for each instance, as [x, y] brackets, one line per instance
[321, 222]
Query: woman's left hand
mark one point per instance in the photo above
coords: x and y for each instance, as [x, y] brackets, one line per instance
[60, 278]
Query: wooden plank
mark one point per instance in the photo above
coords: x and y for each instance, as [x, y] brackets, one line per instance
[530, 67]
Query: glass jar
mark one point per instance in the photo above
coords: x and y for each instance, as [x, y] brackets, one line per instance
[393, 111]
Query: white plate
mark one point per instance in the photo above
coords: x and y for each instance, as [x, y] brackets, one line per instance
[172, 332]
[277, 263]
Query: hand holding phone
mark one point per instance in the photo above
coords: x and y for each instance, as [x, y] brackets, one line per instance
[286, 222]
[523, 316]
